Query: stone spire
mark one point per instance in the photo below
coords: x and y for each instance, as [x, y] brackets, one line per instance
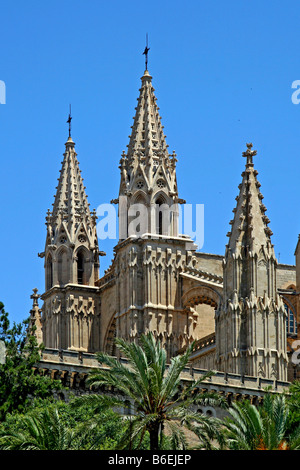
[147, 168]
[35, 317]
[71, 228]
[250, 325]
[71, 207]
[147, 131]
[250, 224]
[147, 148]
[250, 235]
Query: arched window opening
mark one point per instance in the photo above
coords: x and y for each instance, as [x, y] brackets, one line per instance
[138, 217]
[63, 267]
[291, 321]
[159, 216]
[160, 223]
[80, 268]
[111, 338]
[49, 273]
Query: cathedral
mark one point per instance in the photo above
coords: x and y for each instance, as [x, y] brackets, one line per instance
[239, 308]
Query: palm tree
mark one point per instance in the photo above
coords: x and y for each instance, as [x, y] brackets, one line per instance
[155, 389]
[262, 428]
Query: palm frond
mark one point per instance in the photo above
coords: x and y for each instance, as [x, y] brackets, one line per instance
[98, 402]
[173, 377]
[177, 436]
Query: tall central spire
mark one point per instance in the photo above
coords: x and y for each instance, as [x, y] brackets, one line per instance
[147, 142]
[148, 171]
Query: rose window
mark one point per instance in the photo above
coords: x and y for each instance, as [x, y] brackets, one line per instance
[161, 184]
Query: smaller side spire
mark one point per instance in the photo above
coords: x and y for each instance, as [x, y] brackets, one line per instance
[71, 239]
[250, 250]
[250, 224]
[35, 317]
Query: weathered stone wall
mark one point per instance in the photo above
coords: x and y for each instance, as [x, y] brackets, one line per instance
[285, 276]
[209, 262]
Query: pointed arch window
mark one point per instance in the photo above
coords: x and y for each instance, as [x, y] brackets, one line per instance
[159, 215]
[63, 267]
[138, 217]
[49, 273]
[80, 268]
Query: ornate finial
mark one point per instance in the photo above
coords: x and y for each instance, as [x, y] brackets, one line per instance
[146, 50]
[94, 215]
[123, 160]
[48, 216]
[249, 154]
[35, 297]
[69, 122]
[173, 159]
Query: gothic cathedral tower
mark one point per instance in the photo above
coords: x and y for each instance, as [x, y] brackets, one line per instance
[151, 253]
[70, 310]
[251, 323]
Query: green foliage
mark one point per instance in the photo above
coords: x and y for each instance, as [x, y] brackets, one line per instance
[19, 384]
[261, 428]
[60, 426]
[101, 426]
[293, 399]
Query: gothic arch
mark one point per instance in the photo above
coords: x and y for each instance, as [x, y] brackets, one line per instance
[160, 196]
[109, 344]
[140, 197]
[288, 303]
[63, 248]
[201, 294]
[163, 217]
[138, 215]
[83, 265]
[288, 285]
[63, 265]
[291, 320]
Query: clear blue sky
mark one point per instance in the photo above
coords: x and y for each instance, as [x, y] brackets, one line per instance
[222, 73]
